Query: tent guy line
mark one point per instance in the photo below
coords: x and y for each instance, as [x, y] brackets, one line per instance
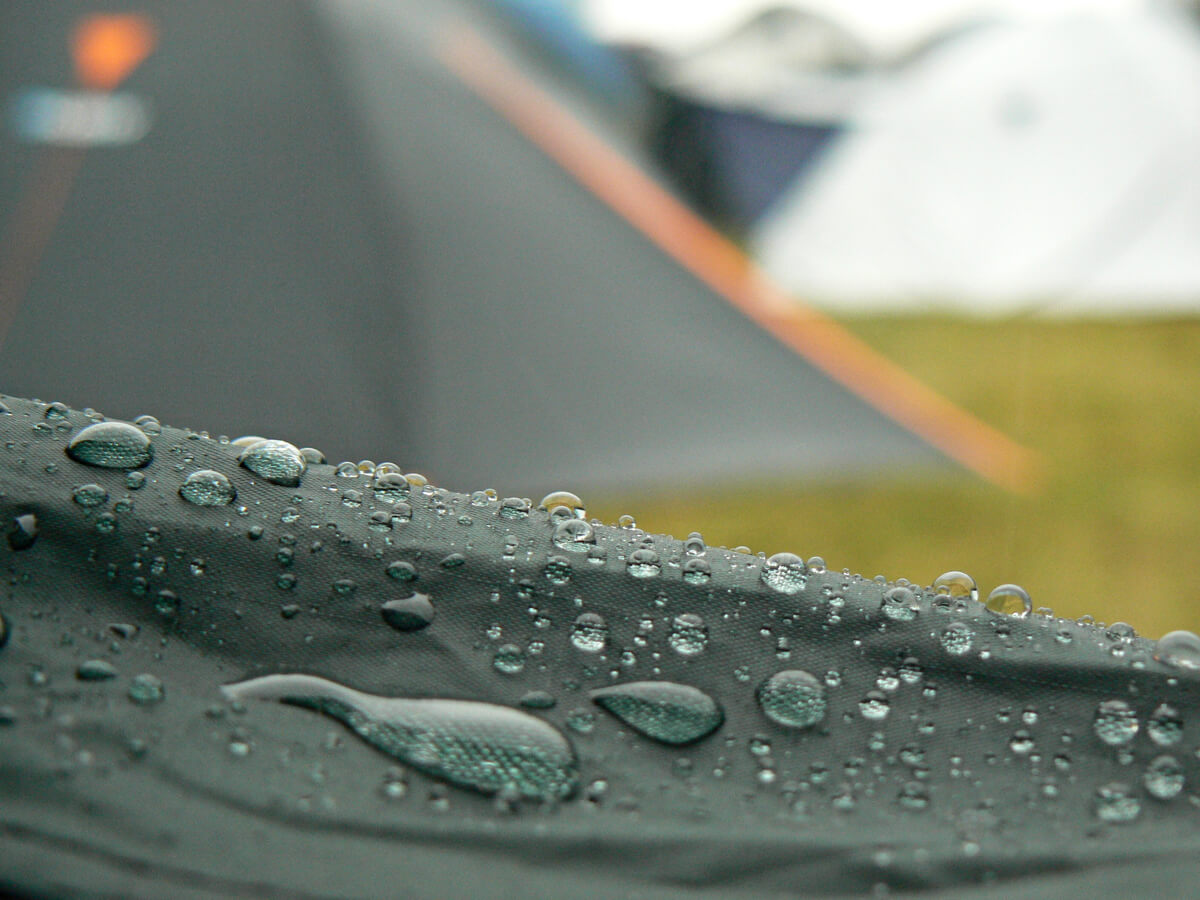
[718, 263]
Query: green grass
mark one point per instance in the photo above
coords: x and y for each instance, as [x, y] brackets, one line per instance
[1113, 408]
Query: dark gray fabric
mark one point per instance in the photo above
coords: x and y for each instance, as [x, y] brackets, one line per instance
[981, 781]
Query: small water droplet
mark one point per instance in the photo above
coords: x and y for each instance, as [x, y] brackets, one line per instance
[793, 698]
[90, 495]
[513, 508]
[1180, 649]
[146, 689]
[111, 445]
[589, 633]
[1117, 803]
[390, 487]
[1163, 777]
[573, 535]
[697, 570]
[1165, 726]
[509, 659]
[665, 711]
[1010, 600]
[689, 635]
[402, 571]
[148, 424]
[956, 638]
[275, 461]
[643, 563]
[900, 604]
[563, 500]
[956, 584]
[207, 487]
[874, 706]
[558, 569]
[785, 572]
[408, 613]
[1115, 722]
[135, 480]
[22, 531]
[96, 670]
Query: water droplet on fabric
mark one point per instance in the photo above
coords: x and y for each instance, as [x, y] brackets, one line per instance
[643, 563]
[509, 659]
[689, 635]
[1010, 600]
[956, 584]
[1180, 649]
[1115, 722]
[135, 480]
[786, 573]
[900, 604]
[408, 613]
[694, 545]
[513, 508]
[146, 689]
[563, 500]
[275, 461]
[96, 670]
[665, 711]
[874, 706]
[697, 570]
[589, 633]
[1117, 803]
[481, 746]
[401, 571]
[573, 535]
[793, 698]
[207, 487]
[90, 495]
[56, 412]
[956, 638]
[111, 445]
[22, 531]
[1165, 726]
[1163, 777]
[148, 424]
[557, 569]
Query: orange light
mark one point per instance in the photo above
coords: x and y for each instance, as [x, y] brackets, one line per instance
[107, 48]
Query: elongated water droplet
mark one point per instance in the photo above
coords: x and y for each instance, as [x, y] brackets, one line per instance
[111, 445]
[956, 584]
[208, 488]
[793, 698]
[689, 635]
[1010, 600]
[408, 613]
[1115, 722]
[1180, 649]
[564, 500]
[1165, 726]
[589, 633]
[663, 710]
[22, 531]
[275, 461]
[488, 748]
[96, 670]
[785, 572]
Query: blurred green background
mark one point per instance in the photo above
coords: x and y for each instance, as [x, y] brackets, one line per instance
[1113, 531]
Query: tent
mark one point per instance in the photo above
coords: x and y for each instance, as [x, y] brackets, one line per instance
[227, 678]
[383, 229]
[1032, 165]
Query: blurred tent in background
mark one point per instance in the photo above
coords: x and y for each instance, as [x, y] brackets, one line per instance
[385, 228]
[985, 157]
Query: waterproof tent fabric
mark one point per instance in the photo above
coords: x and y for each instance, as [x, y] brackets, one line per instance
[975, 774]
[326, 235]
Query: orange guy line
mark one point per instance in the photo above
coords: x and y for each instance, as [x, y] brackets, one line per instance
[718, 263]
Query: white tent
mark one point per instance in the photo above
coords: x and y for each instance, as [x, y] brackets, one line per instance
[1038, 164]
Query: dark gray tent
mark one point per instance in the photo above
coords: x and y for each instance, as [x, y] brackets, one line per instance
[318, 222]
[557, 710]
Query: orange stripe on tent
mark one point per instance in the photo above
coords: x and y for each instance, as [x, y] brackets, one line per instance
[107, 48]
[717, 262]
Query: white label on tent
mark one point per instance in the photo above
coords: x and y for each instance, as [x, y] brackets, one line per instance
[78, 118]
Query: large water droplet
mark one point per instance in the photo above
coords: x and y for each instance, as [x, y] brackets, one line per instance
[574, 535]
[793, 698]
[111, 445]
[208, 488]
[668, 712]
[563, 500]
[785, 572]
[1115, 723]
[1117, 803]
[481, 746]
[900, 603]
[1180, 649]
[589, 633]
[22, 531]
[956, 638]
[956, 584]
[1163, 777]
[1010, 600]
[275, 461]
[408, 613]
[689, 635]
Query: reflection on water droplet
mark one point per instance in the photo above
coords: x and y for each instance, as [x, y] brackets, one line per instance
[874, 706]
[1180, 649]
[208, 488]
[96, 670]
[111, 445]
[509, 659]
[1165, 726]
[689, 635]
[793, 698]
[558, 569]
[565, 500]
[408, 613]
[89, 495]
[697, 571]
[574, 535]
[1163, 777]
[956, 584]
[1115, 722]
[589, 633]
[1117, 803]
[663, 710]
[900, 604]
[22, 531]
[643, 563]
[1010, 600]
[785, 572]
[513, 508]
[275, 461]
[146, 689]
[488, 748]
[148, 424]
[956, 638]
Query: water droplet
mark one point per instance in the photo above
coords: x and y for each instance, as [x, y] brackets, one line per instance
[1120, 631]
[697, 571]
[96, 670]
[390, 487]
[874, 706]
[558, 569]
[910, 670]
[57, 411]
[663, 710]
[488, 748]
[1180, 649]
[1021, 743]
[573, 535]
[914, 796]
[1117, 803]
[900, 604]
[111, 445]
[689, 635]
[513, 508]
[643, 563]
[793, 698]
[956, 638]
[207, 487]
[1165, 726]
[275, 461]
[1115, 722]
[22, 531]
[1163, 777]
[146, 689]
[90, 495]
[589, 633]
[135, 480]
[408, 613]
[148, 424]
[563, 500]
[956, 584]
[785, 572]
[509, 659]
[401, 571]
[1010, 600]
[106, 523]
